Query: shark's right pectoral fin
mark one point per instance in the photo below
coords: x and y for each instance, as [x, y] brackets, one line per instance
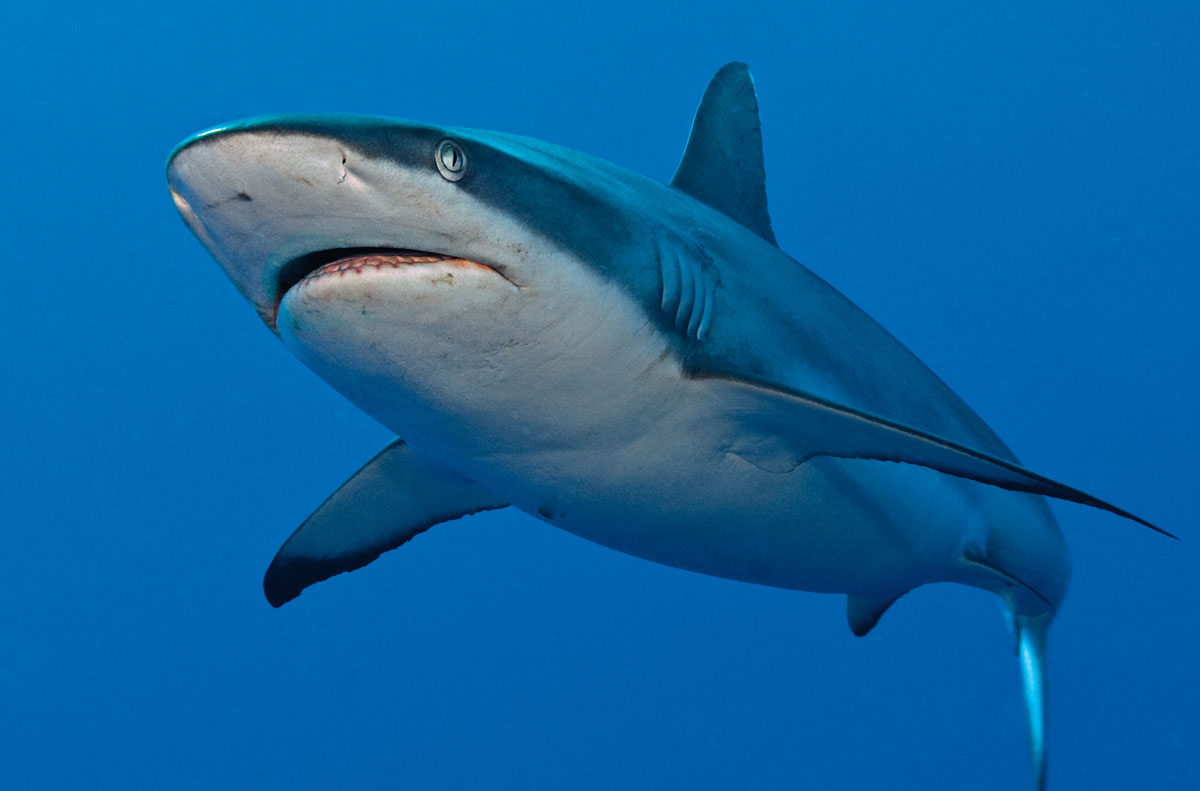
[395, 496]
[785, 428]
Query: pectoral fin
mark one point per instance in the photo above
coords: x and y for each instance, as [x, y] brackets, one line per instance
[783, 429]
[395, 496]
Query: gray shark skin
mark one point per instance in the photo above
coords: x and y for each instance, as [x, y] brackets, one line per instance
[636, 363]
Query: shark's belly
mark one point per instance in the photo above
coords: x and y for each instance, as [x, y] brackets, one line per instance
[830, 525]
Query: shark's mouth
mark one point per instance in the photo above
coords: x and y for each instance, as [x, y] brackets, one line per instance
[354, 260]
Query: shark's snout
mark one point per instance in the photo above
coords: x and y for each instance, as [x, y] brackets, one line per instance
[245, 194]
[273, 199]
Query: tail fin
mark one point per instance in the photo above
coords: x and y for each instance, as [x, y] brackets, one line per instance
[1031, 653]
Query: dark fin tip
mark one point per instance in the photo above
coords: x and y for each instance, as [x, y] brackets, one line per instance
[286, 578]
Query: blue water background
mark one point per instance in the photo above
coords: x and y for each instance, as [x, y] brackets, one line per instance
[1011, 188]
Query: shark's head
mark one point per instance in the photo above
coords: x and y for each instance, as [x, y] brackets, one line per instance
[383, 248]
[277, 198]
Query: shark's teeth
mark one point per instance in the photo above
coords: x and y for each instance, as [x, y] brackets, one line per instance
[359, 263]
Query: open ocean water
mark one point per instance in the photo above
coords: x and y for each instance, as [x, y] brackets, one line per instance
[1010, 188]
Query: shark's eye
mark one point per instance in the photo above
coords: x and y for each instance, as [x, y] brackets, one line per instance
[451, 160]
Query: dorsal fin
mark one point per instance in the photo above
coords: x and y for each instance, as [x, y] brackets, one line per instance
[723, 162]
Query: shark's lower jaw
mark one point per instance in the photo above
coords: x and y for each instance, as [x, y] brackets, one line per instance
[349, 262]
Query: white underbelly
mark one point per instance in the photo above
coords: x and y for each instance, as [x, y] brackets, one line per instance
[674, 495]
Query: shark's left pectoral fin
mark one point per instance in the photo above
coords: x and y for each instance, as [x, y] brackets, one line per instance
[395, 496]
[783, 429]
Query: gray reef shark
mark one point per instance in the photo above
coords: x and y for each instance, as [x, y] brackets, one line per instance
[634, 362]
